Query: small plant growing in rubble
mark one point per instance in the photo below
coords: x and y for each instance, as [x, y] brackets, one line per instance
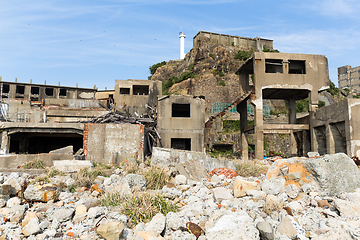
[156, 178]
[221, 83]
[34, 164]
[55, 172]
[140, 207]
[247, 168]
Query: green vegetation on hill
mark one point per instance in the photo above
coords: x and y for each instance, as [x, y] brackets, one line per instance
[156, 66]
[243, 55]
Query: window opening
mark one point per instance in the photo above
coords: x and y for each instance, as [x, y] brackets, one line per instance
[297, 67]
[140, 89]
[62, 92]
[20, 89]
[6, 88]
[34, 90]
[181, 143]
[49, 91]
[125, 91]
[273, 66]
[180, 110]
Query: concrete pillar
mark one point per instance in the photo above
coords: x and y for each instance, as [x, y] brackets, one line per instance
[242, 109]
[12, 90]
[292, 110]
[5, 142]
[293, 143]
[313, 106]
[259, 125]
[330, 141]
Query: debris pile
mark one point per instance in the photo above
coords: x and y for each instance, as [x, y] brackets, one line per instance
[298, 198]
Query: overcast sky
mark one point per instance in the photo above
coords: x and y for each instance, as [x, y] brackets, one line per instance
[92, 42]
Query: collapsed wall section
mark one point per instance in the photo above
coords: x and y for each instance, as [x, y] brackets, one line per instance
[113, 143]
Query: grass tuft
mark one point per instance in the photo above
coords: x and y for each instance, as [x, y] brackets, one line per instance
[140, 207]
[156, 178]
[34, 164]
[248, 168]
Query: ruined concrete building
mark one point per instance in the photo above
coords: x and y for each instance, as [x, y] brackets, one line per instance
[282, 76]
[181, 122]
[135, 95]
[255, 43]
[349, 78]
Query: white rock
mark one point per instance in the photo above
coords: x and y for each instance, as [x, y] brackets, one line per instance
[95, 212]
[31, 228]
[221, 194]
[273, 186]
[156, 225]
[180, 180]
[15, 201]
[292, 190]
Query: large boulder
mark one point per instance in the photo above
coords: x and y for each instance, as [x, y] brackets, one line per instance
[329, 175]
[42, 193]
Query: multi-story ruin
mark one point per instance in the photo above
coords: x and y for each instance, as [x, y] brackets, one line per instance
[349, 77]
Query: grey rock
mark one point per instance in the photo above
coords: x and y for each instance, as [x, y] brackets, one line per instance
[292, 190]
[44, 224]
[135, 180]
[63, 214]
[294, 176]
[335, 173]
[156, 225]
[233, 225]
[95, 212]
[171, 193]
[313, 154]
[221, 194]
[273, 186]
[266, 230]
[31, 228]
[43, 193]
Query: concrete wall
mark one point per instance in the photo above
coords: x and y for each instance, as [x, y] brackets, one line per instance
[191, 127]
[15, 160]
[113, 143]
[255, 43]
[130, 100]
[36, 92]
[336, 128]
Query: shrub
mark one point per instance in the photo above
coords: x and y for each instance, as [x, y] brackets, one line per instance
[243, 55]
[302, 105]
[221, 74]
[211, 55]
[221, 83]
[154, 67]
[83, 178]
[191, 67]
[321, 104]
[34, 164]
[156, 178]
[231, 126]
[265, 49]
[333, 90]
[248, 168]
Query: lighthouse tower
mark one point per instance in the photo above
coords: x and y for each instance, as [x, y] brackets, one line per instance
[182, 45]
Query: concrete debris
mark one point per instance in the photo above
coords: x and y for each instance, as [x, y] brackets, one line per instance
[220, 208]
[72, 165]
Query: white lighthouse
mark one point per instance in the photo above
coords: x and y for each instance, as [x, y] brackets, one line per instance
[182, 45]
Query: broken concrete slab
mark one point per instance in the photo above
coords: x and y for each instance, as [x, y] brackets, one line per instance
[64, 150]
[72, 165]
[171, 157]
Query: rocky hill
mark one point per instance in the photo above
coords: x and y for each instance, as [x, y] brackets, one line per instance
[207, 70]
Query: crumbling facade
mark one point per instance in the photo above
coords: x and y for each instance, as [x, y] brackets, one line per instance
[181, 122]
[229, 40]
[335, 128]
[349, 78]
[135, 95]
[281, 76]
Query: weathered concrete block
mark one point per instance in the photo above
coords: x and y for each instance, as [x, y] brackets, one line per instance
[64, 150]
[43, 193]
[72, 165]
[241, 186]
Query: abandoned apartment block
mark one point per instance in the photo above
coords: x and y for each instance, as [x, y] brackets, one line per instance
[349, 78]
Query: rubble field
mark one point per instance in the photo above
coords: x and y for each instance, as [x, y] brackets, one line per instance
[297, 198]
